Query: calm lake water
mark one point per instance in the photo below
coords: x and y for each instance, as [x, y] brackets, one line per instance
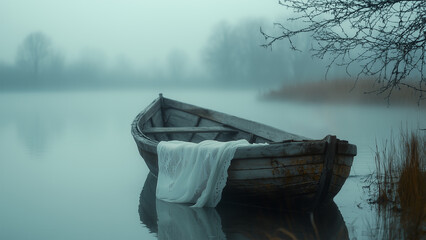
[69, 168]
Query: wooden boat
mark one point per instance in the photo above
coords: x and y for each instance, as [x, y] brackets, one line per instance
[290, 170]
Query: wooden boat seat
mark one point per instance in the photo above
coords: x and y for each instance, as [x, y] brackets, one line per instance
[157, 130]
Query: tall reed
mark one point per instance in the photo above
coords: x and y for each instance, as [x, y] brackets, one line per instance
[400, 181]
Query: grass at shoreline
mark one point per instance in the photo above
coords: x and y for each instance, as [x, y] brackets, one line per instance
[345, 91]
[398, 187]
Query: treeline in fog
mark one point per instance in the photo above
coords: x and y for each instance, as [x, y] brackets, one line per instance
[38, 64]
[232, 56]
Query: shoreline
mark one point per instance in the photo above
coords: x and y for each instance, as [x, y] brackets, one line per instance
[346, 92]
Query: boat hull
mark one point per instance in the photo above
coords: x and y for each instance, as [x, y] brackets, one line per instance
[302, 174]
[282, 180]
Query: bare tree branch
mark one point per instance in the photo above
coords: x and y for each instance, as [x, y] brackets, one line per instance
[387, 38]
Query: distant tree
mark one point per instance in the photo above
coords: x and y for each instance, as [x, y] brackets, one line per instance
[233, 56]
[219, 53]
[90, 66]
[387, 38]
[177, 63]
[34, 50]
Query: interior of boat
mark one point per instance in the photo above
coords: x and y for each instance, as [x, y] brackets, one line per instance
[173, 124]
[169, 120]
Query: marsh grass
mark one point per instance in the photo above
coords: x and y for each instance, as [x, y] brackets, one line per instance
[399, 187]
[347, 91]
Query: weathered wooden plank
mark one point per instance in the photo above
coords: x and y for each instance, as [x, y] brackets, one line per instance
[176, 118]
[336, 184]
[146, 145]
[151, 160]
[274, 162]
[148, 124]
[148, 112]
[258, 129]
[278, 181]
[345, 148]
[157, 121]
[212, 135]
[156, 130]
[344, 160]
[263, 186]
[282, 182]
[334, 189]
[280, 149]
[341, 170]
[197, 138]
[276, 172]
[338, 180]
[258, 139]
[221, 136]
[300, 187]
[196, 125]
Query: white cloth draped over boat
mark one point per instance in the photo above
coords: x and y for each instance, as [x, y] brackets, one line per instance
[194, 173]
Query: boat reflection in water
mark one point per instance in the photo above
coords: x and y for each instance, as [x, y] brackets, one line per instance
[234, 221]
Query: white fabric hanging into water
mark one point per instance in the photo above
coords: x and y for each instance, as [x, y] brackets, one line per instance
[194, 173]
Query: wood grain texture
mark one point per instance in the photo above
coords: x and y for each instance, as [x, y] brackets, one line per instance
[158, 130]
[280, 149]
[276, 182]
[274, 162]
[276, 172]
[147, 113]
[157, 121]
[264, 131]
[346, 160]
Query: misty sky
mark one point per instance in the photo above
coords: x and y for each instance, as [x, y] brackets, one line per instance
[136, 31]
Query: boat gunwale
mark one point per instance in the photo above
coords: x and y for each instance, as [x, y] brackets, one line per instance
[311, 147]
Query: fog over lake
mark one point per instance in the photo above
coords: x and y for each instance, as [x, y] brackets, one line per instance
[60, 44]
[74, 74]
[70, 168]
[142, 31]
